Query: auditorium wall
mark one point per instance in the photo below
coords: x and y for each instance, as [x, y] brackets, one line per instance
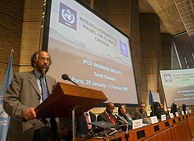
[125, 17]
[11, 21]
[20, 29]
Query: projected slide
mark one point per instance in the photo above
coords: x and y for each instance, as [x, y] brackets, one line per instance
[178, 86]
[90, 51]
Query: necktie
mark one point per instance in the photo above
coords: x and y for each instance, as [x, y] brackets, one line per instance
[111, 119]
[44, 90]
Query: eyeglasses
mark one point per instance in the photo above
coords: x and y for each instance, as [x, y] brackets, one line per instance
[44, 59]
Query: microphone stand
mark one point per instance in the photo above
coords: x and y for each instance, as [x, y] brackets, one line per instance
[127, 132]
[73, 123]
[127, 128]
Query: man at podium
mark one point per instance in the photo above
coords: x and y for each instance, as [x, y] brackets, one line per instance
[26, 91]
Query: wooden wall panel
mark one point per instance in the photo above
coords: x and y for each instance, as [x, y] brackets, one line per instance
[117, 7]
[124, 25]
[150, 46]
[33, 10]
[31, 32]
[11, 15]
[30, 40]
[14, 8]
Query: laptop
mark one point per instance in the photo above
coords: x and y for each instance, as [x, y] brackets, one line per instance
[103, 124]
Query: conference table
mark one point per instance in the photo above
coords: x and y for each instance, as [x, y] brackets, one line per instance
[180, 128]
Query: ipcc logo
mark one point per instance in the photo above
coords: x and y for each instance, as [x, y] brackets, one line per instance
[67, 16]
[123, 49]
[167, 78]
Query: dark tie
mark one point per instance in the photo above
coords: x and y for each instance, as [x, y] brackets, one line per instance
[44, 90]
[45, 93]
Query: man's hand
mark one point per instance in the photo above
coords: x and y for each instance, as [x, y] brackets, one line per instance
[29, 113]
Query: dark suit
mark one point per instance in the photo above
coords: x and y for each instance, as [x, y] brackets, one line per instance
[104, 117]
[81, 124]
[22, 93]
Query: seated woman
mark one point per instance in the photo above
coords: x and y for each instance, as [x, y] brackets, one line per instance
[123, 116]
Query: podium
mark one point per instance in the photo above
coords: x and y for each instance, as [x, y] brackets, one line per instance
[66, 97]
[69, 101]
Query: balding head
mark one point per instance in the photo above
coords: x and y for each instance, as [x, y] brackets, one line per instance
[110, 107]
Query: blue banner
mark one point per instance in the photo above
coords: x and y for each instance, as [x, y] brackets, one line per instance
[151, 99]
[4, 118]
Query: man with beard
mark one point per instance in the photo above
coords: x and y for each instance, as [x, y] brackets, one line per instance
[26, 91]
[141, 113]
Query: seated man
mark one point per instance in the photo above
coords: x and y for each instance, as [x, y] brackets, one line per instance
[82, 126]
[157, 110]
[174, 109]
[141, 113]
[107, 114]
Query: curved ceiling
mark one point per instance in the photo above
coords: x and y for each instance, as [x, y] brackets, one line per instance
[176, 16]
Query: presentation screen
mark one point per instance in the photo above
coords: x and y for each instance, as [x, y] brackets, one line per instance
[178, 86]
[90, 51]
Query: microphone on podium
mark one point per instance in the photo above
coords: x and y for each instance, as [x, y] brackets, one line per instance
[66, 77]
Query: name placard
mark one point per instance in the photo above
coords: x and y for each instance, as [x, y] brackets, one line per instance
[177, 114]
[163, 117]
[154, 119]
[171, 115]
[182, 112]
[137, 123]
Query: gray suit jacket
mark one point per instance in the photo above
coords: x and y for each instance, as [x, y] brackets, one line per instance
[22, 93]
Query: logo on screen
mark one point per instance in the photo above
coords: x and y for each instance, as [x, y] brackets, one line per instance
[123, 49]
[167, 78]
[67, 16]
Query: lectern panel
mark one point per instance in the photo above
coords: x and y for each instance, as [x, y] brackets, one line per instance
[65, 97]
